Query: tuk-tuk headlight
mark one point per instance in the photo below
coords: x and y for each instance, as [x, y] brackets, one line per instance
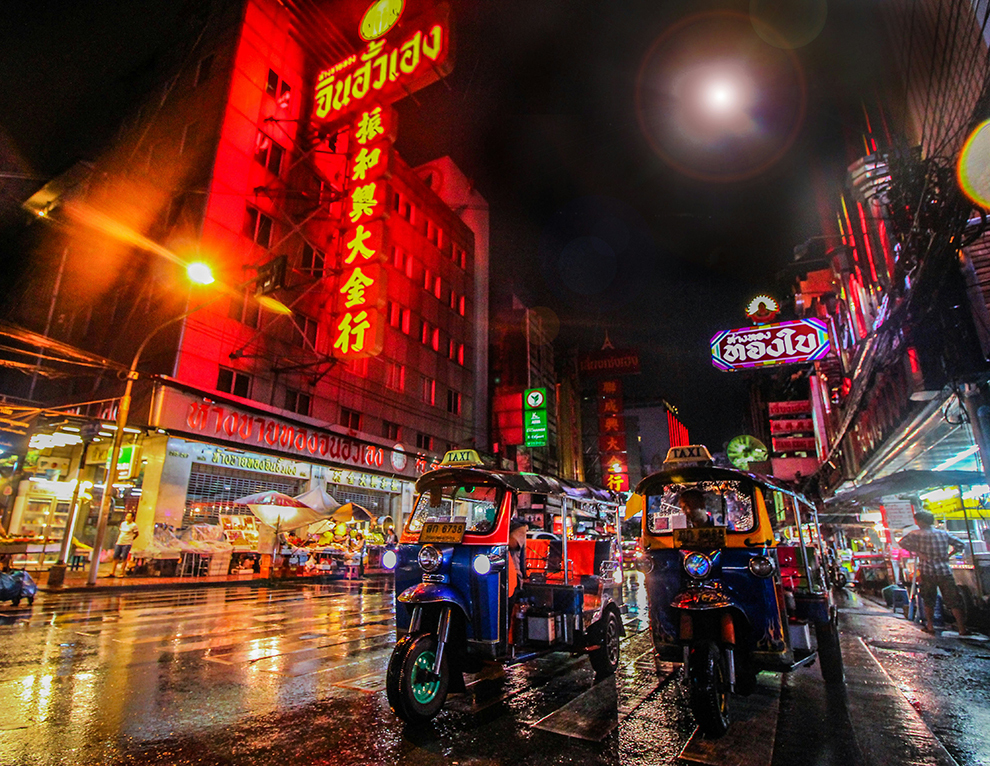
[644, 563]
[761, 566]
[698, 565]
[429, 558]
[482, 564]
[389, 559]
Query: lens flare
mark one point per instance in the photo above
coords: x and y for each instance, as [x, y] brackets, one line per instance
[973, 169]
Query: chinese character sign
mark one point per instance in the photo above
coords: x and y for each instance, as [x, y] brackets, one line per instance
[612, 435]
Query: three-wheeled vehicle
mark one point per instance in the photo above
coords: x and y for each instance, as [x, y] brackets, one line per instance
[734, 578]
[452, 579]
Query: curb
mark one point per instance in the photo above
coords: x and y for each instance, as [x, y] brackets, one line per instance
[189, 583]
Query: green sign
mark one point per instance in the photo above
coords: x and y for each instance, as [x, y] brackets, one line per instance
[535, 428]
[535, 399]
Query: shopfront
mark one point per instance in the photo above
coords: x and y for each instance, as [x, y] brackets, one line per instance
[200, 455]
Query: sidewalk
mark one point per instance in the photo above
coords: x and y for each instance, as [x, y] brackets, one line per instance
[76, 581]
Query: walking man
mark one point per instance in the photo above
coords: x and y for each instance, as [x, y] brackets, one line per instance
[933, 548]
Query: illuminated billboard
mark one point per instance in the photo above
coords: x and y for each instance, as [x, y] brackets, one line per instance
[795, 342]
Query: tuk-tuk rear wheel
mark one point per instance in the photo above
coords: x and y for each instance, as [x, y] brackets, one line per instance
[709, 688]
[829, 651]
[605, 659]
[422, 693]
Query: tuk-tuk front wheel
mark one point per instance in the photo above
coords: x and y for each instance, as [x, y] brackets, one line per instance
[709, 688]
[605, 659]
[414, 691]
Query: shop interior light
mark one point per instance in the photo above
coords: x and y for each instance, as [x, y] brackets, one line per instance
[71, 429]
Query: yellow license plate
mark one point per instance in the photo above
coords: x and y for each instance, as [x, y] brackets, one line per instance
[700, 537]
[442, 532]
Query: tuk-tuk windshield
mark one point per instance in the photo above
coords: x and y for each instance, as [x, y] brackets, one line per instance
[725, 503]
[476, 505]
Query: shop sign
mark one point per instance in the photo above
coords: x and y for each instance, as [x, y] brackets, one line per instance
[794, 444]
[261, 463]
[385, 70]
[617, 482]
[206, 419]
[611, 363]
[801, 425]
[796, 342]
[366, 480]
[778, 409]
[612, 443]
[535, 417]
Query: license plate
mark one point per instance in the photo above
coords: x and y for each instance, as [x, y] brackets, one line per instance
[700, 537]
[442, 532]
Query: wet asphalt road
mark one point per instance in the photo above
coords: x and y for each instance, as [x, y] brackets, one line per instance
[294, 674]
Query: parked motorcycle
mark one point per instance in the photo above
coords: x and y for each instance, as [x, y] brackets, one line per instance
[17, 585]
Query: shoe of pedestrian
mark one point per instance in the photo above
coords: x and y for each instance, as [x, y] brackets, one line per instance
[929, 631]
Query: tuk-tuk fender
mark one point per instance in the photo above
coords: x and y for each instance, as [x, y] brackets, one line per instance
[433, 593]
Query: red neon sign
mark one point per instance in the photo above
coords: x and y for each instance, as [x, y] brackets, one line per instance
[385, 72]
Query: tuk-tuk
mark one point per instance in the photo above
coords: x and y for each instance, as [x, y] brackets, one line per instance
[452, 579]
[734, 578]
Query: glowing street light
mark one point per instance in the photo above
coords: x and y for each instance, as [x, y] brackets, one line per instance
[200, 273]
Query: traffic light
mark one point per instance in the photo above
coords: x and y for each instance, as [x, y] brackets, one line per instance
[271, 275]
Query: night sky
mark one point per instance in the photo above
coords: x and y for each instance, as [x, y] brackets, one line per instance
[612, 203]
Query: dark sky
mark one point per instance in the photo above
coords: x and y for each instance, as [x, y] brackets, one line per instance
[561, 111]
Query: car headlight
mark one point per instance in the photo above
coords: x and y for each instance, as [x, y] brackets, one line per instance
[429, 558]
[482, 564]
[761, 566]
[389, 559]
[698, 565]
[644, 563]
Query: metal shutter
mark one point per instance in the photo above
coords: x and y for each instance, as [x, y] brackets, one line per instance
[213, 488]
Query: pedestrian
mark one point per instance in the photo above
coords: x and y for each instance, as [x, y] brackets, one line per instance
[125, 539]
[517, 568]
[933, 548]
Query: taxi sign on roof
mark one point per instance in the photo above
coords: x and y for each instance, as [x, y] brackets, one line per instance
[690, 454]
[462, 457]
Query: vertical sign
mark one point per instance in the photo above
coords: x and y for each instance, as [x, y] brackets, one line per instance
[535, 417]
[612, 435]
[360, 296]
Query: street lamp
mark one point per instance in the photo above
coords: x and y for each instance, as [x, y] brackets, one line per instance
[203, 275]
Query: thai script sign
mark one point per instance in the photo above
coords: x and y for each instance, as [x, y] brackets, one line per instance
[194, 415]
[386, 71]
[610, 363]
[795, 342]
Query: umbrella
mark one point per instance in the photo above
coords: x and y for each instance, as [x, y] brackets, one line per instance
[318, 499]
[279, 510]
[349, 511]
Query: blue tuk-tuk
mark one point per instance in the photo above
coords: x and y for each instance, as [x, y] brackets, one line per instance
[734, 577]
[453, 608]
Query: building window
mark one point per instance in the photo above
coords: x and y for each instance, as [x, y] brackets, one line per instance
[390, 430]
[268, 153]
[313, 261]
[461, 305]
[454, 402]
[233, 382]
[424, 442]
[434, 233]
[245, 310]
[204, 69]
[350, 419]
[296, 401]
[307, 327]
[284, 94]
[394, 314]
[427, 280]
[438, 288]
[435, 340]
[429, 390]
[357, 367]
[190, 137]
[424, 332]
[460, 257]
[396, 376]
[398, 258]
[460, 354]
[271, 87]
[410, 266]
[258, 227]
[453, 301]
[452, 349]
[406, 321]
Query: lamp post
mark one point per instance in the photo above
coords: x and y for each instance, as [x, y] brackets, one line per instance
[197, 275]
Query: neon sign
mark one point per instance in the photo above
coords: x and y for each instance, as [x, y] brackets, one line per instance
[385, 72]
[795, 342]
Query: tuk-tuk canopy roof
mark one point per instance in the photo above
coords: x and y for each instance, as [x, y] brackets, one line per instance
[519, 482]
[696, 473]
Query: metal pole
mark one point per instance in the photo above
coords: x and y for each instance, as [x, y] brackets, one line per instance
[969, 537]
